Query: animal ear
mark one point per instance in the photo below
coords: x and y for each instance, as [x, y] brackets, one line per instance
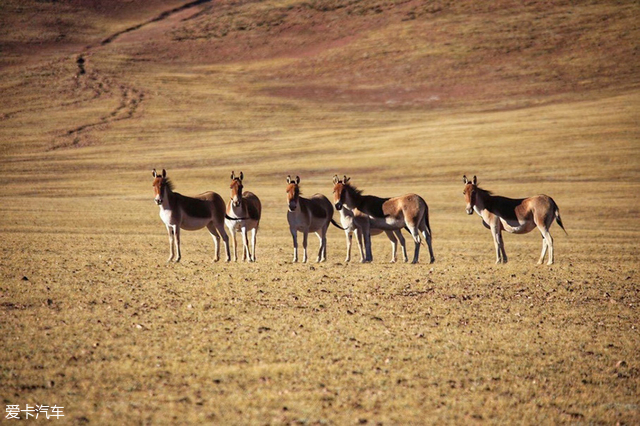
[297, 180]
[464, 179]
[335, 179]
[154, 173]
[164, 173]
[346, 179]
[289, 179]
[241, 175]
[475, 180]
[233, 174]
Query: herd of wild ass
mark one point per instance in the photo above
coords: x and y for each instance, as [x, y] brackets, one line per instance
[360, 215]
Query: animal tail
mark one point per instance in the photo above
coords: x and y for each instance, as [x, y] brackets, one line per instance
[426, 222]
[557, 214]
[334, 223]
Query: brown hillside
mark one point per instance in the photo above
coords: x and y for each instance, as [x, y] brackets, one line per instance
[382, 53]
[415, 53]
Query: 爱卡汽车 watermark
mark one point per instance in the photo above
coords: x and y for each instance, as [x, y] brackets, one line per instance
[33, 411]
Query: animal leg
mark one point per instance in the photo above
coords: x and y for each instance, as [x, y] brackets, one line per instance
[416, 237]
[366, 234]
[225, 239]
[246, 255]
[403, 245]
[501, 255]
[416, 254]
[504, 253]
[294, 234]
[549, 242]
[215, 234]
[427, 236]
[177, 240]
[394, 245]
[216, 246]
[234, 244]
[543, 252]
[324, 243]
[305, 234]
[322, 253]
[254, 235]
[496, 241]
[171, 243]
[361, 247]
[349, 236]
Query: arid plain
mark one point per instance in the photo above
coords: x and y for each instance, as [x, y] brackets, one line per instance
[402, 96]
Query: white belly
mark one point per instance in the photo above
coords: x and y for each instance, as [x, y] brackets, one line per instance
[387, 223]
[517, 227]
[193, 223]
[235, 225]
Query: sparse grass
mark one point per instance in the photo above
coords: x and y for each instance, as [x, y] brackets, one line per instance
[93, 319]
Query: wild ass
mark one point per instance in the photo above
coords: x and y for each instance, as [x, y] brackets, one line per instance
[387, 214]
[243, 214]
[308, 215]
[353, 225]
[518, 216]
[189, 213]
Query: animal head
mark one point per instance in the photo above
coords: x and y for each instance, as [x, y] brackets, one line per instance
[160, 182]
[236, 188]
[469, 192]
[293, 192]
[339, 191]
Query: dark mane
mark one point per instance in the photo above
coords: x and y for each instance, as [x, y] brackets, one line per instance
[369, 204]
[169, 184]
[503, 207]
[353, 189]
[483, 191]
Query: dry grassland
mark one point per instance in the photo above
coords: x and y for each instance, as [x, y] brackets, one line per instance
[93, 319]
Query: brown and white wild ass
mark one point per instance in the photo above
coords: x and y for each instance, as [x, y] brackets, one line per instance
[388, 214]
[189, 213]
[308, 215]
[243, 214]
[518, 216]
[353, 225]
